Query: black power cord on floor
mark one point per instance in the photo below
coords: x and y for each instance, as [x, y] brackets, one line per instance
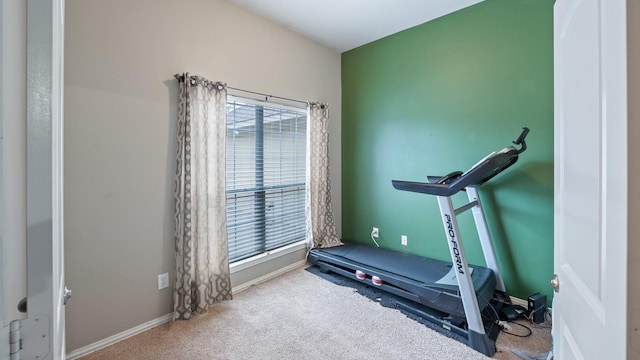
[529, 317]
[505, 325]
[528, 329]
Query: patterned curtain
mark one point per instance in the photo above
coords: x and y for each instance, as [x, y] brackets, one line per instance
[321, 226]
[202, 259]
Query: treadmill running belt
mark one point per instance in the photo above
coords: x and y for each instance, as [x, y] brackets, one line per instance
[410, 266]
[416, 278]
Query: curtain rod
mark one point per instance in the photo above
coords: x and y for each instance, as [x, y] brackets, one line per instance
[181, 77]
[267, 96]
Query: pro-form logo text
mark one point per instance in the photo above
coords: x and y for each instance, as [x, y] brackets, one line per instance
[454, 244]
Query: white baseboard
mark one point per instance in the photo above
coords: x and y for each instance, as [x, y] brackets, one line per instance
[86, 350]
[518, 301]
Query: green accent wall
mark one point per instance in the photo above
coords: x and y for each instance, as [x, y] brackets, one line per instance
[437, 98]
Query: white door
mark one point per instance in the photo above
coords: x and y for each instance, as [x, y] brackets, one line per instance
[41, 331]
[45, 265]
[590, 179]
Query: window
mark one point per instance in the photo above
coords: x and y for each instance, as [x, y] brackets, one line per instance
[266, 164]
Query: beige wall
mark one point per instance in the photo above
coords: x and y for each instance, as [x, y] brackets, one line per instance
[120, 109]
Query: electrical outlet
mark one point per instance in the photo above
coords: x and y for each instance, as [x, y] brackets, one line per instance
[403, 240]
[163, 281]
[375, 232]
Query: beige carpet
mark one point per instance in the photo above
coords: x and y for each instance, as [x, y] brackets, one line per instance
[301, 316]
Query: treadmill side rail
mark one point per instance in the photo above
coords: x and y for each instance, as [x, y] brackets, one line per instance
[459, 260]
[485, 238]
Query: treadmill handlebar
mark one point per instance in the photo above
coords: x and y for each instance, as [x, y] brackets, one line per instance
[425, 188]
[490, 166]
[520, 140]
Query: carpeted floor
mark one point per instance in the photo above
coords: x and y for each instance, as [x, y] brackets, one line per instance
[537, 335]
[302, 316]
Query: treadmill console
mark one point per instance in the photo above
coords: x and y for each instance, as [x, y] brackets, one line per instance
[485, 169]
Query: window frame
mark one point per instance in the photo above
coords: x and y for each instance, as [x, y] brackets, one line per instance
[268, 255]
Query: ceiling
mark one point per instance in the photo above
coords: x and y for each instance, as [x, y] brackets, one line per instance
[346, 24]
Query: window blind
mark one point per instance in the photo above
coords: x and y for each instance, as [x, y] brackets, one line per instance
[266, 163]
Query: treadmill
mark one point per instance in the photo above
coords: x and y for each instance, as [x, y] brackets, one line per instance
[451, 294]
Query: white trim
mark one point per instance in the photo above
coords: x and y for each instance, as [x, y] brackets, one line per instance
[518, 301]
[58, 324]
[111, 340]
[266, 256]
